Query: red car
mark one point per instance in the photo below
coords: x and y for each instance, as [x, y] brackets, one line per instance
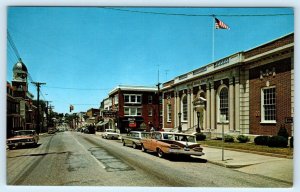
[23, 137]
[168, 143]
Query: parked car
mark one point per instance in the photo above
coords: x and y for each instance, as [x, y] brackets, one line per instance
[169, 143]
[23, 137]
[133, 138]
[51, 130]
[110, 134]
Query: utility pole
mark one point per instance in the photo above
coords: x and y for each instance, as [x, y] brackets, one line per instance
[158, 104]
[38, 85]
[47, 113]
[158, 96]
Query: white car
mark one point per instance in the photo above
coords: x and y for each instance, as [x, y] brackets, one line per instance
[110, 134]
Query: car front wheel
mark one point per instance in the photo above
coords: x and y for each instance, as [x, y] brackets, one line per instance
[134, 146]
[143, 149]
[160, 153]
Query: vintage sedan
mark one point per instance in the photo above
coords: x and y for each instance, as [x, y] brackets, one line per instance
[133, 138]
[110, 134]
[169, 143]
[23, 137]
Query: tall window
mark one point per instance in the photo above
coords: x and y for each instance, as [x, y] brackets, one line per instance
[150, 99]
[132, 111]
[268, 105]
[131, 98]
[169, 112]
[150, 111]
[184, 108]
[224, 103]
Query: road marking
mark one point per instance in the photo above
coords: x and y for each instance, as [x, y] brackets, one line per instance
[103, 166]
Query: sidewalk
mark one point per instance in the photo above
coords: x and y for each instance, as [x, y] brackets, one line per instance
[274, 167]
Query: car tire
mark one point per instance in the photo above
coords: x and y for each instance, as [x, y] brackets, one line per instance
[134, 146]
[160, 153]
[10, 147]
[144, 149]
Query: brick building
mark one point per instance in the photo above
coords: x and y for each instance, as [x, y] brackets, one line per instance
[251, 92]
[136, 107]
[21, 113]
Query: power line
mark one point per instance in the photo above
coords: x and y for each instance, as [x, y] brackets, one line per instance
[198, 15]
[85, 104]
[11, 51]
[13, 45]
[11, 58]
[85, 89]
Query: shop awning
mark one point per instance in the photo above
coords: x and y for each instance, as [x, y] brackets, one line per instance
[101, 123]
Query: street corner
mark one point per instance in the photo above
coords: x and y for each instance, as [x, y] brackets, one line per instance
[230, 163]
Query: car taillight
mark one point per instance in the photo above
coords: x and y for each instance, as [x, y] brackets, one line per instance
[198, 149]
[174, 146]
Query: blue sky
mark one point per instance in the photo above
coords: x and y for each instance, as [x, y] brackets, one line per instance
[95, 49]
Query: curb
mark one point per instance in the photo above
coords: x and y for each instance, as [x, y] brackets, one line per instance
[254, 152]
[228, 166]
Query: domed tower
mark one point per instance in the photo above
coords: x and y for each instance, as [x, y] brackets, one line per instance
[19, 82]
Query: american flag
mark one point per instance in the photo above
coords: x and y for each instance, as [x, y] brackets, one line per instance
[220, 25]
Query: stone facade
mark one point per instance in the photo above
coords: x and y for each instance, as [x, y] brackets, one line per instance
[237, 94]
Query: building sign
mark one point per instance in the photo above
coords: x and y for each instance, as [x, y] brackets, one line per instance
[132, 124]
[289, 120]
[221, 62]
[109, 114]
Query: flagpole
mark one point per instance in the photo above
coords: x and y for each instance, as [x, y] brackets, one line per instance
[213, 39]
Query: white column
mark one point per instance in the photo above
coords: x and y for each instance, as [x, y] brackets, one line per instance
[231, 104]
[192, 109]
[208, 107]
[237, 104]
[178, 108]
[175, 109]
[212, 106]
[188, 108]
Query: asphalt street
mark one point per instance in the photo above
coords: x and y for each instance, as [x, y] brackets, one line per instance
[77, 159]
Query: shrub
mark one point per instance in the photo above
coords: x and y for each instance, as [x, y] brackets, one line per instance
[283, 132]
[200, 136]
[277, 141]
[229, 138]
[243, 139]
[261, 140]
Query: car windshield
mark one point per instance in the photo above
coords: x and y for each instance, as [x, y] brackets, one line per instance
[168, 136]
[188, 138]
[145, 135]
[19, 133]
[110, 130]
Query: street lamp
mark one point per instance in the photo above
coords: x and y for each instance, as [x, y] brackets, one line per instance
[198, 119]
[179, 126]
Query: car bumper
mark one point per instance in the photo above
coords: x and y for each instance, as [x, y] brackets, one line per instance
[112, 136]
[183, 152]
[20, 144]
